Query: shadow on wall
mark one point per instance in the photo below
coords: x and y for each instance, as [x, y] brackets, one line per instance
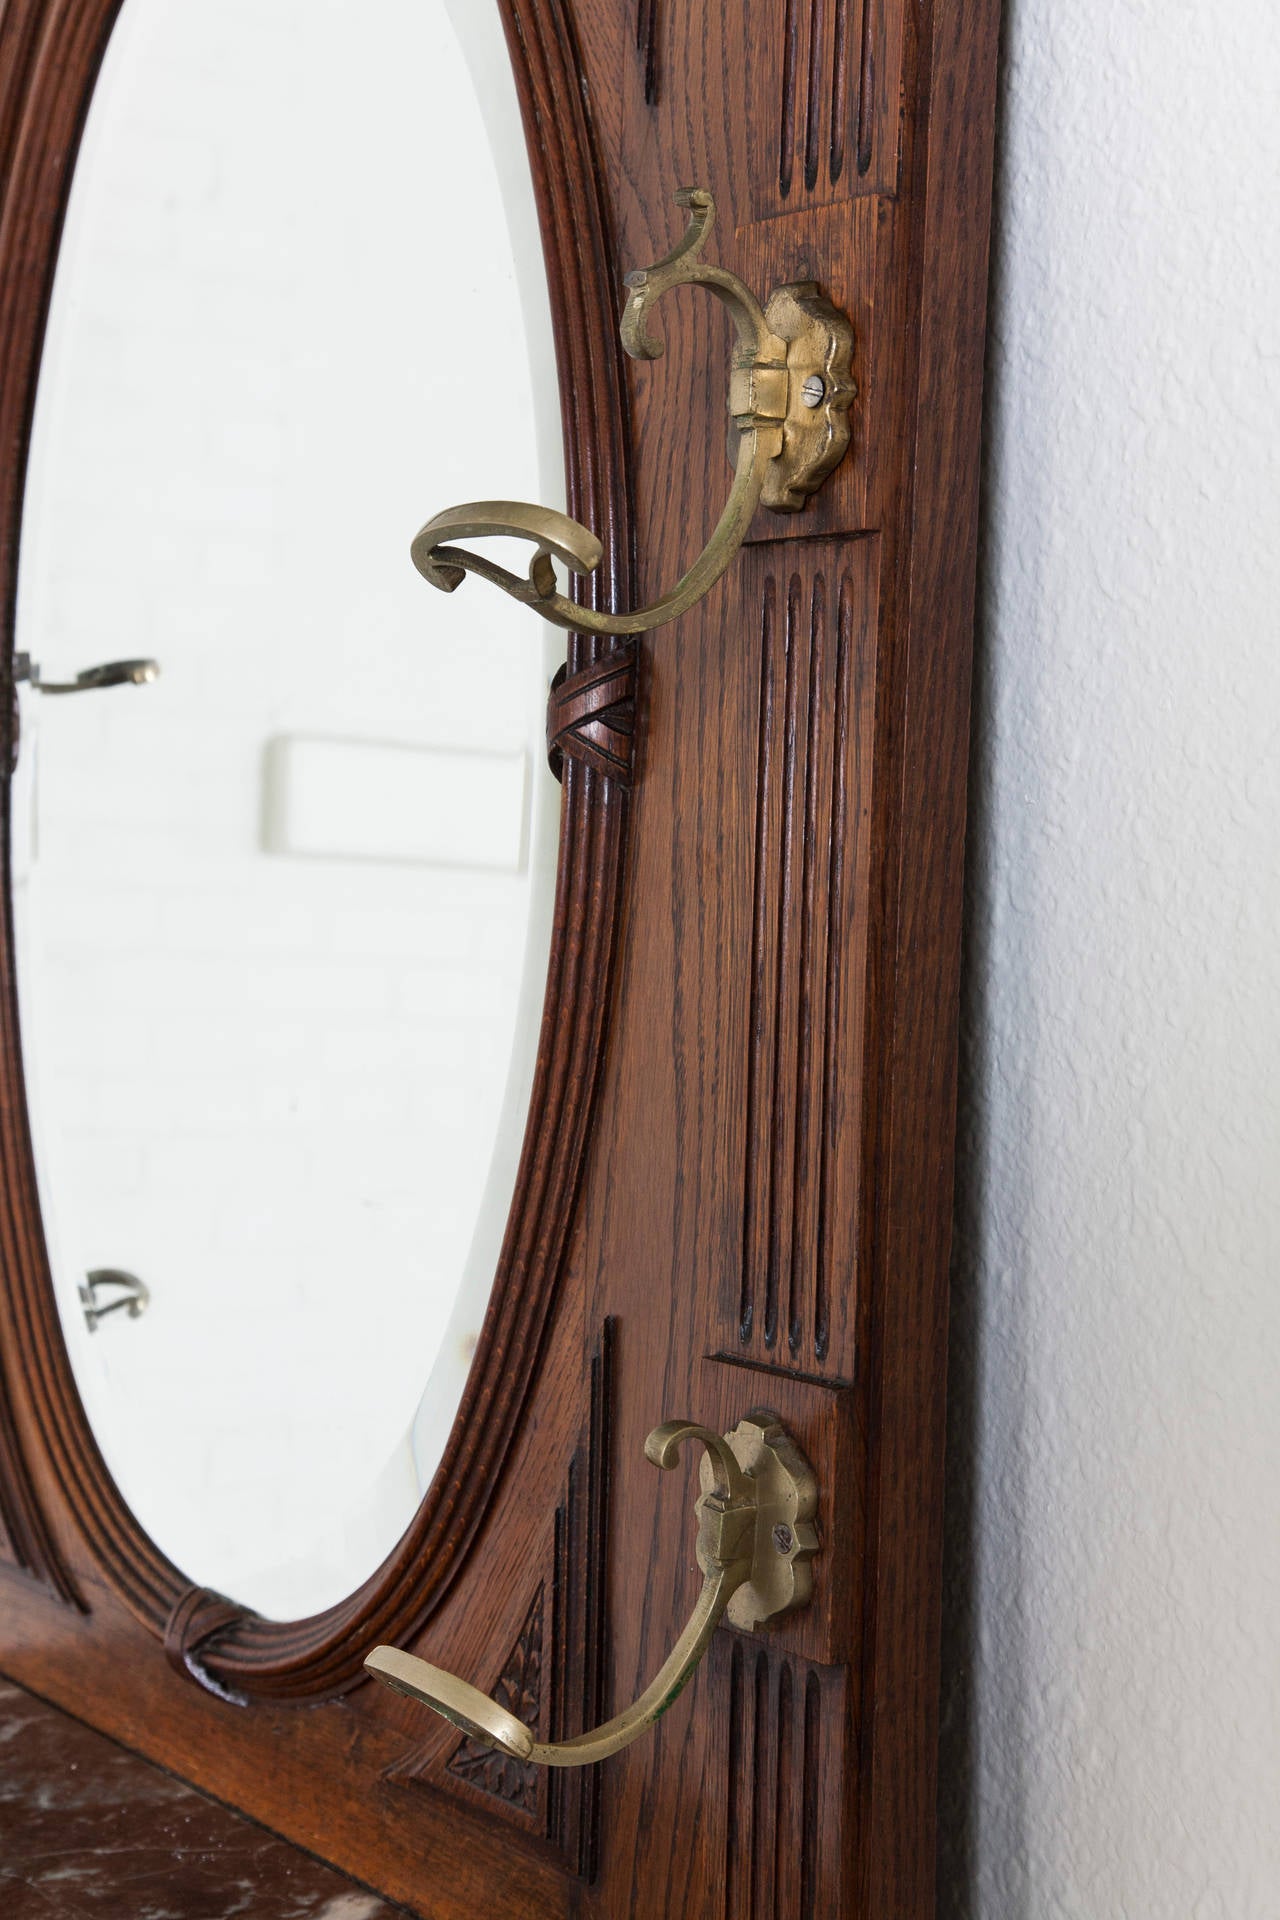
[958, 1888]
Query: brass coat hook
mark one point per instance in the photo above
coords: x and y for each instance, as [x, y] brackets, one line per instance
[755, 1542]
[790, 388]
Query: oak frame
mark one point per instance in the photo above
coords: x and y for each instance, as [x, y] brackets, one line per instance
[802, 1203]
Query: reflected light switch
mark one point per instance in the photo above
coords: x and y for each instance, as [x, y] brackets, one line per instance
[371, 800]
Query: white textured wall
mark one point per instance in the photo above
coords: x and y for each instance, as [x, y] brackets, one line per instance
[1112, 1702]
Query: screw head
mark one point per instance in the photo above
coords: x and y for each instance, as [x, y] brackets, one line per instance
[814, 390]
[783, 1538]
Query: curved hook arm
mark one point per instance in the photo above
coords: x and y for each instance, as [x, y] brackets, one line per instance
[475, 1714]
[683, 267]
[737, 1527]
[445, 566]
[728, 1482]
[773, 404]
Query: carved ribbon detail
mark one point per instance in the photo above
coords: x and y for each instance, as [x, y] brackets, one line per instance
[198, 1618]
[591, 716]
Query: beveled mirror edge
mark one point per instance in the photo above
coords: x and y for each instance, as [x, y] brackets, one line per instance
[54, 54]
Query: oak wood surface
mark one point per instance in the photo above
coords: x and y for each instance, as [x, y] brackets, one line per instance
[737, 1177]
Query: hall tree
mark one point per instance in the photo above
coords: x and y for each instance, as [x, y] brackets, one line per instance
[734, 1195]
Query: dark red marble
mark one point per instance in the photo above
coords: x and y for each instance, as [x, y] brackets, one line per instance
[88, 1831]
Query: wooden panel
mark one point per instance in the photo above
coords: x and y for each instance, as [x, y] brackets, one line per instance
[834, 107]
[821, 1415]
[824, 92]
[786, 1740]
[726, 1101]
[808, 947]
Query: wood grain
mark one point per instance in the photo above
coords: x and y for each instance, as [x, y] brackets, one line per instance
[833, 100]
[786, 1734]
[808, 952]
[738, 1162]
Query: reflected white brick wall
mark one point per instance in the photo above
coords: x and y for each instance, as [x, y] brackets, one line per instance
[270, 1086]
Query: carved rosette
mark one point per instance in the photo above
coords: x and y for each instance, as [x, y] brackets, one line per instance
[553, 1679]
[520, 1691]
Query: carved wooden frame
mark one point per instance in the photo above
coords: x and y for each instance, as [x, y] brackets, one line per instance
[763, 1215]
[50, 55]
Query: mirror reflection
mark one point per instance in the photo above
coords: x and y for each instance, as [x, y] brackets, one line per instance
[283, 873]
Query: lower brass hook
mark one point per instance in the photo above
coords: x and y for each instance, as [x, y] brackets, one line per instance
[790, 389]
[755, 1542]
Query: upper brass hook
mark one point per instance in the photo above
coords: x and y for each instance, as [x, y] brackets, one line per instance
[755, 1541]
[790, 389]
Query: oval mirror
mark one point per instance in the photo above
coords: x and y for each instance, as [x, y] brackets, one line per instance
[283, 902]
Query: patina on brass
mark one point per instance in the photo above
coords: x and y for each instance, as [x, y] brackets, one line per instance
[755, 1541]
[790, 388]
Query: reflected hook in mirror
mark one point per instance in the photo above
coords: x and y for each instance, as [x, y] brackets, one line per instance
[112, 673]
[132, 1295]
[755, 1541]
[790, 389]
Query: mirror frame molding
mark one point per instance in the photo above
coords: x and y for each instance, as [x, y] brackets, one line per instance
[51, 53]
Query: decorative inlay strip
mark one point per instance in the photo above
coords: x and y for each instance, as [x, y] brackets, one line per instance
[787, 121]
[579, 1638]
[811, 1738]
[797, 961]
[840, 87]
[647, 30]
[814, 103]
[837, 882]
[866, 85]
